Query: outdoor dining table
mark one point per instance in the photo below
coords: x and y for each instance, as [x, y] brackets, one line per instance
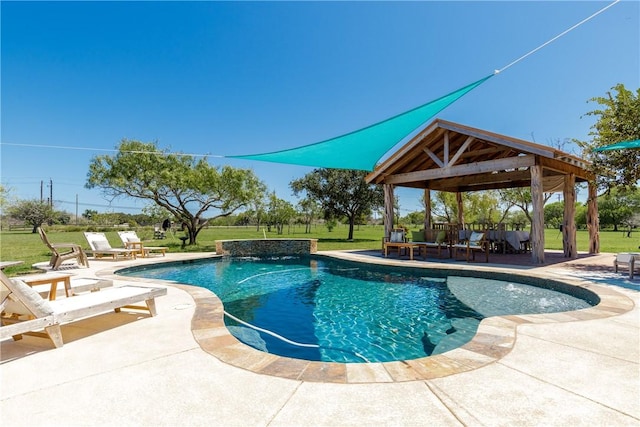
[513, 238]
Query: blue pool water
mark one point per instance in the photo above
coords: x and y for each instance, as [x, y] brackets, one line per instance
[331, 310]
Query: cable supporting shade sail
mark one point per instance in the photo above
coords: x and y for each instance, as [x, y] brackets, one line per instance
[361, 149]
[624, 145]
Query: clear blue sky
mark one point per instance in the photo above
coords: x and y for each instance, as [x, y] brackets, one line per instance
[225, 78]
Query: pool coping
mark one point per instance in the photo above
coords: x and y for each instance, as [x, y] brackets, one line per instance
[495, 338]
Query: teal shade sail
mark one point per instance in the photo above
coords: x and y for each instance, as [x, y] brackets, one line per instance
[361, 149]
[624, 145]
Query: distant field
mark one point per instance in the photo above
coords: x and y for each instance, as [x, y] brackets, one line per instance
[27, 247]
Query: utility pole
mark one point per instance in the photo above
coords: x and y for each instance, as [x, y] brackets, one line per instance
[51, 193]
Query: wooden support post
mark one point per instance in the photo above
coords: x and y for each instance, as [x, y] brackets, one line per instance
[569, 218]
[460, 210]
[427, 209]
[537, 224]
[593, 222]
[388, 208]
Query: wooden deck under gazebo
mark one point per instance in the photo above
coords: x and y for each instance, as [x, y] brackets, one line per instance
[447, 156]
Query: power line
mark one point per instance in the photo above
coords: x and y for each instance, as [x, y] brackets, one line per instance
[96, 205]
[556, 37]
[109, 150]
[497, 71]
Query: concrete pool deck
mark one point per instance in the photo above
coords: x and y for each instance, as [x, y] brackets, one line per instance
[131, 369]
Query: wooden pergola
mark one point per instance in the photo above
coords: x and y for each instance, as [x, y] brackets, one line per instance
[447, 156]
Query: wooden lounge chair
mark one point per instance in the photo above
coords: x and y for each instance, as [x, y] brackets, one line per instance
[101, 247]
[396, 235]
[475, 243]
[25, 311]
[60, 252]
[130, 240]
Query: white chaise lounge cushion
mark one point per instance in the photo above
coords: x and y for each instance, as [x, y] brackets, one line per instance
[29, 303]
[101, 245]
[396, 237]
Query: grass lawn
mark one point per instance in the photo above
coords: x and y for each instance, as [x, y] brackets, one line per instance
[27, 247]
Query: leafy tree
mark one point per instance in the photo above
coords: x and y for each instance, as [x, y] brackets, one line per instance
[258, 210]
[309, 209]
[340, 192]
[184, 186]
[617, 121]
[33, 212]
[445, 207]
[520, 197]
[89, 214]
[4, 194]
[619, 207]
[108, 218]
[554, 214]
[413, 218]
[481, 206]
[155, 214]
[279, 212]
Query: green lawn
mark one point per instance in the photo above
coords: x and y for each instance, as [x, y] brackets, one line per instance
[27, 247]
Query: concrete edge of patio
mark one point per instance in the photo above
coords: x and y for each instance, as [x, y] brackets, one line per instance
[578, 370]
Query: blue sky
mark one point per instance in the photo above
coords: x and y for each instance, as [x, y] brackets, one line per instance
[231, 78]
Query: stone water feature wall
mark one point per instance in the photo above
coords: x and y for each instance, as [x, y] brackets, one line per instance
[264, 247]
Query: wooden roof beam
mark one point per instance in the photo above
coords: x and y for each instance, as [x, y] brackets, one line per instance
[462, 170]
[510, 142]
[461, 150]
[488, 178]
[566, 168]
[482, 152]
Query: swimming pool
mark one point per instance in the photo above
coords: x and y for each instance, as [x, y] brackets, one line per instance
[315, 308]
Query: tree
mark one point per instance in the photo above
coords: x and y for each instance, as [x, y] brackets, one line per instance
[481, 206]
[4, 193]
[619, 207]
[33, 212]
[618, 121]
[184, 186]
[89, 214]
[554, 214]
[413, 218]
[309, 210]
[340, 192]
[279, 212]
[521, 197]
[445, 206]
[155, 213]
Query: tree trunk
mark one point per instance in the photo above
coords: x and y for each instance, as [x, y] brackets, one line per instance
[352, 220]
[193, 233]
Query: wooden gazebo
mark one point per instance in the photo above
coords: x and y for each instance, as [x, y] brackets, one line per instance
[448, 156]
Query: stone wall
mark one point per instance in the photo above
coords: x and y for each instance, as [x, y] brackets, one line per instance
[264, 247]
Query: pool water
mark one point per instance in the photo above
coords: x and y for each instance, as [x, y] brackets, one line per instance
[337, 311]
